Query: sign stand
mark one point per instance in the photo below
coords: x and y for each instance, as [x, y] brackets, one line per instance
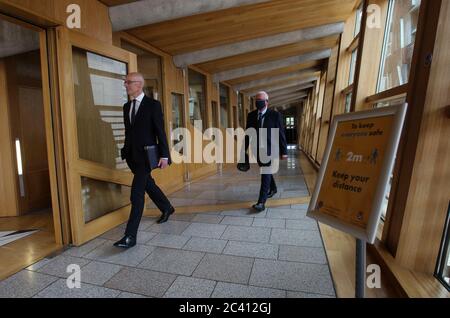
[360, 281]
[354, 177]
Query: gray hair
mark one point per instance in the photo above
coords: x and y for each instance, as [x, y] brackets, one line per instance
[263, 93]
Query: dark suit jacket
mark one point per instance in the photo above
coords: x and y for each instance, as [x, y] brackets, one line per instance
[148, 130]
[272, 119]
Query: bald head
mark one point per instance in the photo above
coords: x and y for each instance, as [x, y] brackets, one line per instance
[134, 84]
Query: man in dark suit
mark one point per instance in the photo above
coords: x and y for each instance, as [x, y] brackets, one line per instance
[269, 119]
[144, 126]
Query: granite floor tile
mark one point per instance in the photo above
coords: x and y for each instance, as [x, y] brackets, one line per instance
[225, 268]
[189, 287]
[141, 281]
[173, 261]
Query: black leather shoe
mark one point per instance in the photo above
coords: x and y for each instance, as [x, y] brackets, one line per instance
[165, 216]
[126, 242]
[259, 207]
[272, 193]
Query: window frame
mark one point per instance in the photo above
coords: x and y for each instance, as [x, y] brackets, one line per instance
[444, 253]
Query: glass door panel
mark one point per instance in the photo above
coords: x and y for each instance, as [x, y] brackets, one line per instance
[94, 132]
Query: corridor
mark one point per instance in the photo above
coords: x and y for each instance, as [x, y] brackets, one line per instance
[278, 253]
[358, 88]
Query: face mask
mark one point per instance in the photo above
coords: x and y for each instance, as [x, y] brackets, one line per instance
[260, 104]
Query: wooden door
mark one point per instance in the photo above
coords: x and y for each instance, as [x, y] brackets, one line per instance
[93, 91]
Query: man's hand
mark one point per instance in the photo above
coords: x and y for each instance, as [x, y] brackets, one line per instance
[284, 157]
[163, 163]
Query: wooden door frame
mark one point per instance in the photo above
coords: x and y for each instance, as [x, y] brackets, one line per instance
[48, 122]
[75, 166]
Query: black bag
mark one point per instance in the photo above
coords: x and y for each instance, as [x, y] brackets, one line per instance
[152, 156]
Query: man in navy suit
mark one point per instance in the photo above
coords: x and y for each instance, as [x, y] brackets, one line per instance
[269, 119]
[144, 126]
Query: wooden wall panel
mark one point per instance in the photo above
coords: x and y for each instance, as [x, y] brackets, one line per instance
[428, 197]
[319, 114]
[343, 67]
[370, 55]
[328, 103]
[95, 20]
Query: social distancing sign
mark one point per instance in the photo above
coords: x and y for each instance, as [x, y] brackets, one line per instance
[356, 170]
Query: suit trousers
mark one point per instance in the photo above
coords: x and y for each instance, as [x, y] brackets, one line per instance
[142, 183]
[267, 184]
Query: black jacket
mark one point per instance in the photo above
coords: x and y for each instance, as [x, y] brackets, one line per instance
[148, 130]
[272, 119]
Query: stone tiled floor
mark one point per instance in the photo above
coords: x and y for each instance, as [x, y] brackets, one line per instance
[229, 187]
[277, 253]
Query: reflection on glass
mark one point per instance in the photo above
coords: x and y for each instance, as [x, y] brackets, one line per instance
[391, 102]
[224, 102]
[359, 13]
[150, 65]
[348, 103]
[398, 45]
[352, 66]
[177, 115]
[99, 98]
[197, 98]
[100, 198]
[385, 203]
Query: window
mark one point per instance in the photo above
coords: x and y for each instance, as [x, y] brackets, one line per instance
[224, 102]
[99, 99]
[290, 124]
[352, 67]
[358, 19]
[348, 102]
[443, 267]
[197, 98]
[241, 109]
[398, 45]
[177, 114]
[100, 198]
[391, 102]
[150, 65]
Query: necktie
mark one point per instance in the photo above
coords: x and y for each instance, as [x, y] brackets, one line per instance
[260, 118]
[133, 112]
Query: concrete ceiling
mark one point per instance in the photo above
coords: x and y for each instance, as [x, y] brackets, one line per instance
[248, 44]
[132, 14]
